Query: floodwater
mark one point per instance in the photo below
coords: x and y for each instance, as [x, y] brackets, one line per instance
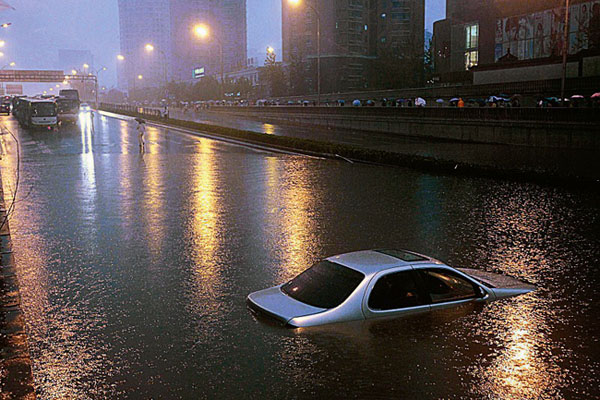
[134, 271]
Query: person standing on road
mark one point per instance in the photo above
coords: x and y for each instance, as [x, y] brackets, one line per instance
[141, 130]
[461, 103]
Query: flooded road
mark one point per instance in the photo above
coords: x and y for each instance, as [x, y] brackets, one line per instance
[134, 271]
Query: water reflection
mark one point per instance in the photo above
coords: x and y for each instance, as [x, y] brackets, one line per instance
[153, 206]
[291, 199]
[206, 235]
[124, 137]
[523, 364]
[269, 129]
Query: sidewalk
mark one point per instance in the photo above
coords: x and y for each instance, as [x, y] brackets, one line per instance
[561, 163]
[16, 379]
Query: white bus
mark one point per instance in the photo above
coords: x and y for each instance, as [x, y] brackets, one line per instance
[38, 113]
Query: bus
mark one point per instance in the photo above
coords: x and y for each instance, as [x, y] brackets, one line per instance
[68, 110]
[37, 113]
[71, 94]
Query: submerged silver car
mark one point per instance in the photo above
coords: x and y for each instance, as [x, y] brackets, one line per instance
[375, 284]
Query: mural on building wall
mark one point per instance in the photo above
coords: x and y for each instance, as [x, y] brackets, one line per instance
[541, 34]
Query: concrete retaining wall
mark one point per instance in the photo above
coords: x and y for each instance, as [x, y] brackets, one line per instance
[536, 133]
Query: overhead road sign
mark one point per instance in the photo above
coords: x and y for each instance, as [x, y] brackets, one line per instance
[31, 76]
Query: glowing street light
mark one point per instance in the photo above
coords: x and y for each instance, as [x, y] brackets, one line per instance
[202, 31]
[140, 77]
[297, 3]
[2, 43]
[1, 54]
[74, 72]
[6, 25]
[270, 50]
[85, 66]
[121, 57]
[149, 48]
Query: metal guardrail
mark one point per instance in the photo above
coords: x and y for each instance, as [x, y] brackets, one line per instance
[147, 111]
[542, 88]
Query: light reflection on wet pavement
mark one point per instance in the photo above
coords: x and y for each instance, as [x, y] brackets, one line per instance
[134, 271]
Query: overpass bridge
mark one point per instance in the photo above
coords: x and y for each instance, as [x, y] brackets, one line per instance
[48, 76]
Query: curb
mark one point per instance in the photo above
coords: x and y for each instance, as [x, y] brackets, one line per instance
[16, 377]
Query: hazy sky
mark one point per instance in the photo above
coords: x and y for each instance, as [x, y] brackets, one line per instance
[41, 27]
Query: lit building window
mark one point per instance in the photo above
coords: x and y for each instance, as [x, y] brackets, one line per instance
[471, 45]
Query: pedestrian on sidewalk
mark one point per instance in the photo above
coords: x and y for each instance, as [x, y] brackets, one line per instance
[461, 103]
[141, 129]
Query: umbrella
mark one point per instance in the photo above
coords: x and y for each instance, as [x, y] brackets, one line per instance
[577, 96]
[419, 102]
[440, 101]
[452, 100]
[596, 95]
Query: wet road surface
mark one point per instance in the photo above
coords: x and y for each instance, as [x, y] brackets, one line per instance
[134, 271]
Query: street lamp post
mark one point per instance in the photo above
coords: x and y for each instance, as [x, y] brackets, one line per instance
[98, 73]
[202, 31]
[565, 51]
[316, 11]
[150, 48]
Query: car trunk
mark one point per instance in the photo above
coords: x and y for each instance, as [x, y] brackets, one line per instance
[501, 285]
[274, 303]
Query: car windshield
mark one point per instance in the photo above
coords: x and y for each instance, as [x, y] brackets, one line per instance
[44, 110]
[324, 285]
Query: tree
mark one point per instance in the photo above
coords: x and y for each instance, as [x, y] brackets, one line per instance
[428, 62]
[274, 75]
[393, 70]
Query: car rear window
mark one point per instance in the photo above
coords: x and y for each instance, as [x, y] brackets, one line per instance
[324, 285]
[403, 255]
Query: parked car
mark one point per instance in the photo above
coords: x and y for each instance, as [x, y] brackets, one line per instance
[376, 284]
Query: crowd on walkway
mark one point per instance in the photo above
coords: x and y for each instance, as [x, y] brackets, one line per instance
[495, 101]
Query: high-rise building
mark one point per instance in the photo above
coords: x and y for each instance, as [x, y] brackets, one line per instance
[353, 34]
[226, 20]
[168, 26]
[144, 22]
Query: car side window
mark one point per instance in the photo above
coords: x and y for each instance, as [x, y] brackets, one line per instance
[395, 290]
[443, 285]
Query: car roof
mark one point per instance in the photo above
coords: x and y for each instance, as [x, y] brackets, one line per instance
[372, 261]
